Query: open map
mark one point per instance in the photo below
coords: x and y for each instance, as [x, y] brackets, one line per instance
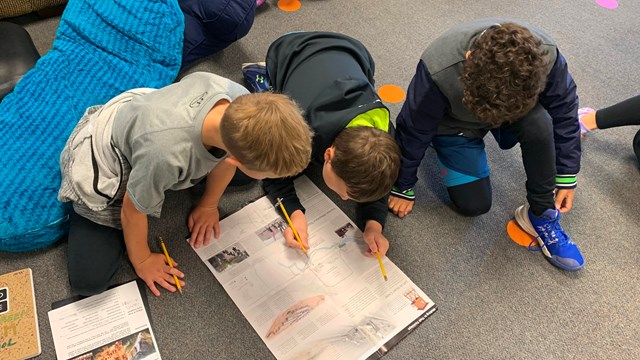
[331, 304]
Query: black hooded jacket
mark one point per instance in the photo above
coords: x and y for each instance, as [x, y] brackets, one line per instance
[330, 76]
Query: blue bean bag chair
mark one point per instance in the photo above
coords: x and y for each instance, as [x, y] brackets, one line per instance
[212, 25]
[102, 48]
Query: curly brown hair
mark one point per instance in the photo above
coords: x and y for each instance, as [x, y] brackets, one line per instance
[367, 160]
[504, 74]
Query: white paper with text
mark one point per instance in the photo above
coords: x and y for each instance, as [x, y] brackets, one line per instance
[333, 304]
[111, 325]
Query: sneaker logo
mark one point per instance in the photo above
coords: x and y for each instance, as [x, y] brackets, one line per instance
[260, 79]
[198, 100]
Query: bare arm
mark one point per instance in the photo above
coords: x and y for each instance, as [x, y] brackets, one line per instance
[204, 218]
[150, 267]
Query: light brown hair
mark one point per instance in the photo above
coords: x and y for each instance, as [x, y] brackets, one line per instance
[267, 132]
[504, 74]
[367, 160]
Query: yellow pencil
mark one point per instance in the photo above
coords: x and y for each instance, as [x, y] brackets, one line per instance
[295, 233]
[166, 254]
[384, 273]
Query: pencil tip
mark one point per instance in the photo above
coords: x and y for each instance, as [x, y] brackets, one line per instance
[385, 278]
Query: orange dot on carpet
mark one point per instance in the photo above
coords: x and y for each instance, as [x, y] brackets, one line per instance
[289, 5]
[391, 93]
[518, 235]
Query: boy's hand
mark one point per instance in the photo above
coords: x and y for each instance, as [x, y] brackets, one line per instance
[374, 238]
[300, 223]
[154, 269]
[400, 207]
[564, 199]
[202, 221]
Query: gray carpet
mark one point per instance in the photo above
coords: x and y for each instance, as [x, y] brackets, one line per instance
[496, 299]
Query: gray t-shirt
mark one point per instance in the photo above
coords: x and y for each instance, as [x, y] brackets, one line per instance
[160, 134]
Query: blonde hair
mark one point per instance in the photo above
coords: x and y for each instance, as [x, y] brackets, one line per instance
[267, 132]
[367, 160]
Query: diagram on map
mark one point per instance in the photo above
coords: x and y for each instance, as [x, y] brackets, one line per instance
[293, 315]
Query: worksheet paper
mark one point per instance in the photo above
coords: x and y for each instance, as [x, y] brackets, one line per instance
[333, 304]
[111, 325]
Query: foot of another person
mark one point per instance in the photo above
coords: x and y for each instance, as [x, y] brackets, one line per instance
[587, 119]
[555, 244]
[256, 75]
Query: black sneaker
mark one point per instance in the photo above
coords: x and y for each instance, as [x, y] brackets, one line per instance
[256, 75]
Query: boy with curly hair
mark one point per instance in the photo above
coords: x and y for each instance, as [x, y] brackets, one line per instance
[331, 76]
[123, 156]
[506, 77]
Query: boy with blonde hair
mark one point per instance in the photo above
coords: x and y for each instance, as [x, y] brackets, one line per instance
[331, 76]
[123, 156]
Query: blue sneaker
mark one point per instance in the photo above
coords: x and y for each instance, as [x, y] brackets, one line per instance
[555, 244]
[256, 75]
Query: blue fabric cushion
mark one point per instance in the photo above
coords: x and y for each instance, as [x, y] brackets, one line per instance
[212, 25]
[101, 49]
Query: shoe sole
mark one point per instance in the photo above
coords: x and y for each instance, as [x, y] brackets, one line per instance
[261, 63]
[522, 219]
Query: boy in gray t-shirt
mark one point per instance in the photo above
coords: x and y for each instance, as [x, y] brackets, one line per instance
[123, 156]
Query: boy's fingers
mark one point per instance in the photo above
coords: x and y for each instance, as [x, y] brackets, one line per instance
[166, 277]
[371, 242]
[293, 244]
[165, 284]
[176, 272]
[216, 230]
[194, 237]
[383, 248]
[153, 288]
[207, 236]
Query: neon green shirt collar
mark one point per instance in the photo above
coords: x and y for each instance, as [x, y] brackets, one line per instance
[377, 118]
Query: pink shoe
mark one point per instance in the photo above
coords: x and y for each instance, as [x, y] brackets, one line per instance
[260, 2]
[584, 131]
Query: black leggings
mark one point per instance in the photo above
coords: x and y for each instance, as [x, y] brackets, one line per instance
[93, 255]
[622, 114]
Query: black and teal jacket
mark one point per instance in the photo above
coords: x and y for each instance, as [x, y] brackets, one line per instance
[434, 103]
[330, 76]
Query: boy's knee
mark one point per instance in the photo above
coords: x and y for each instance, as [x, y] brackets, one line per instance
[88, 284]
[473, 208]
[473, 198]
[537, 126]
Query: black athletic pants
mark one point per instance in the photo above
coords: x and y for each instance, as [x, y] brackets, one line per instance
[535, 135]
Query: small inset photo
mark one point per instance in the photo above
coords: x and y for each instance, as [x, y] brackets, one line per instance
[229, 257]
[274, 229]
[416, 300]
[343, 230]
[136, 346]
